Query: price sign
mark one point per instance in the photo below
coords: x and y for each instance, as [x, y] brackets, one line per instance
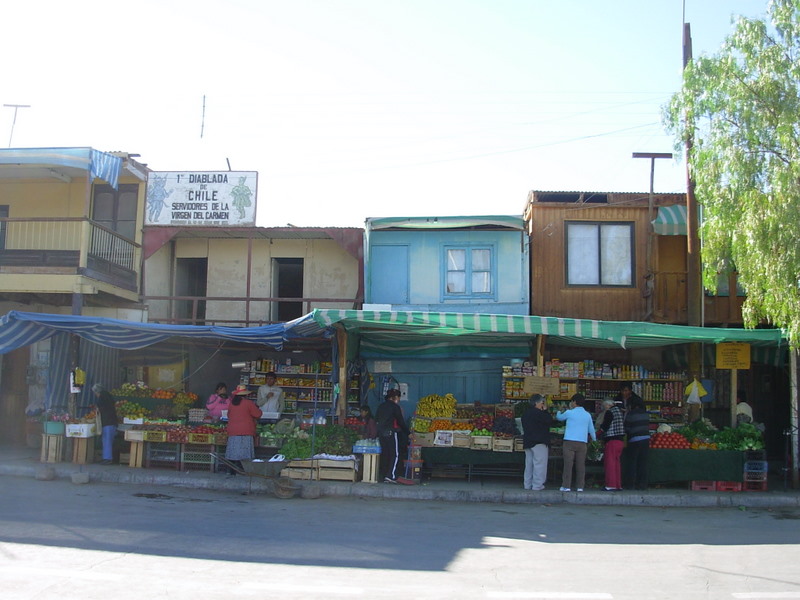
[546, 386]
[733, 355]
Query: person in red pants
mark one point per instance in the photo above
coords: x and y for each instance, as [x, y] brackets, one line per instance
[612, 431]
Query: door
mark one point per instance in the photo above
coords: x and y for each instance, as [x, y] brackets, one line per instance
[287, 282]
[670, 301]
[191, 279]
[389, 275]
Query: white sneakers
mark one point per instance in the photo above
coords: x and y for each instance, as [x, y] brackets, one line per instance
[563, 489]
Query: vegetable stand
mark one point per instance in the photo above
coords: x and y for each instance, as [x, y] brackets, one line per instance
[665, 466]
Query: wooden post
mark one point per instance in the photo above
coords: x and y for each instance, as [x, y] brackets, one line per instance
[341, 342]
[734, 380]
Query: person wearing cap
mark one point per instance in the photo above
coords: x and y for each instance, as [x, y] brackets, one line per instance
[242, 416]
[108, 420]
[579, 429]
[536, 423]
[270, 396]
[391, 425]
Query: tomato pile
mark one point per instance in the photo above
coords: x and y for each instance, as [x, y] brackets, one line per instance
[669, 440]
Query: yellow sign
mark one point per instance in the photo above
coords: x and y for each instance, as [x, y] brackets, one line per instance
[733, 355]
[546, 386]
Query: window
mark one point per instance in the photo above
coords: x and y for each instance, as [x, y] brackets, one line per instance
[116, 209]
[469, 271]
[600, 254]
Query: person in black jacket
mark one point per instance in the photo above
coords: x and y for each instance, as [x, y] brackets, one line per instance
[536, 422]
[637, 428]
[108, 418]
[391, 425]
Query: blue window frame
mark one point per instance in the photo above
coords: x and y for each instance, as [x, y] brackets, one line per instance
[470, 271]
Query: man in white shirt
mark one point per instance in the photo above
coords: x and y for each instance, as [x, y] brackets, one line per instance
[744, 412]
[270, 396]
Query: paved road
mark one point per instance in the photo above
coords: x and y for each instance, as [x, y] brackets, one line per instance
[61, 540]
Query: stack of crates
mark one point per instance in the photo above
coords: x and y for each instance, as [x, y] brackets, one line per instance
[755, 471]
[198, 457]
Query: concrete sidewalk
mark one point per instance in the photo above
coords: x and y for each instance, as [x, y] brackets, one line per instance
[24, 462]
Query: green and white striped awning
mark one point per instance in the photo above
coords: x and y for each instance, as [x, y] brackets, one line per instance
[429, 333]
[671, 220]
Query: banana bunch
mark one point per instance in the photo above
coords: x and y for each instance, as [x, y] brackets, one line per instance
[434, 405]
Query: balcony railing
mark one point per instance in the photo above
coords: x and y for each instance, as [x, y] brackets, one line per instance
[236, 311]
[52, 244]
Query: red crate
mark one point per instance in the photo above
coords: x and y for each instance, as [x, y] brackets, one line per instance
[754, 486]
[704, 486]
[729, 486]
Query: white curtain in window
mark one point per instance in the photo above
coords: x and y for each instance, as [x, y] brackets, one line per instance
[583, 257]
[481, 265]
[456, 271]
[615, 250]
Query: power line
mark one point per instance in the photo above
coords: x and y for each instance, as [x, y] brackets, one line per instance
[16, 107]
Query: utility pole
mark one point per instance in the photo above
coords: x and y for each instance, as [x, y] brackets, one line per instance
[16, 107]
[693, 265]
[650, 233]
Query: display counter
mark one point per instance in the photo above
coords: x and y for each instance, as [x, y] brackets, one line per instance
[476, 462]
[664, 466]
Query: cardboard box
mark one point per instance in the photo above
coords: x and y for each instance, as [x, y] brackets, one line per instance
[81, 430]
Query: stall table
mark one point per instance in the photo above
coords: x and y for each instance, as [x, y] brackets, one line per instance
[477, 462]
[667, 465]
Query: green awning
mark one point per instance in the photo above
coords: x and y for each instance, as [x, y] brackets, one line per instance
[671, 220]
[428, 333]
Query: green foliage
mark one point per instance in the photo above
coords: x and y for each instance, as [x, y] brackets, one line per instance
[743, 437]
[740, 107]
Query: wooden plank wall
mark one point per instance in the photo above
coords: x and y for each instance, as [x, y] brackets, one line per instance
[549, 293]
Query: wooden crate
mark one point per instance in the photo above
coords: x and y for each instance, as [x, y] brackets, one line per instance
[337, 470]
[481, 442]
[136, 458]
[424, 439]
[82, 450]
[369, 470]
[503, 444]
[462, 440]
[52, 448]
[134, 435]
[299, 473]
[518, 444]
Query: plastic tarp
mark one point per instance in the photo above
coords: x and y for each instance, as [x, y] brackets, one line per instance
[18, 329]
[99, 164]
[430, 333]
[496, 221]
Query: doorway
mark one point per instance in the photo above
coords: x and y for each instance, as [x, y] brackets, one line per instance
[191, 279]
[287, 282]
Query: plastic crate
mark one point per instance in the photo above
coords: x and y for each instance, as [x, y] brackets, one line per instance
[221, 439]
[177, 437]
[755, 455]
[755, 486]
[703, 486]
[729, 486]
[163, 456]
[197, 460]
[200, 438]
[155, 436]
[755, 476]
[758, 466]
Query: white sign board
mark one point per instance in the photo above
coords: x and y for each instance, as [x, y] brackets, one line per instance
[226, 198]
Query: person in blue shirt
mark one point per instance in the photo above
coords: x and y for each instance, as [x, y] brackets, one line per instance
[579, 428]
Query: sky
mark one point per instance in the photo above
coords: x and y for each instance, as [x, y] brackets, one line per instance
[350, 109]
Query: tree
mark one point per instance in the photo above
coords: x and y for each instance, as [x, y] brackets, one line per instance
[741, 108]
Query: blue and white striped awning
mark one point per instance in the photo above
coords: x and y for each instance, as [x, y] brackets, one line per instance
[671, 220]
[100, 165]
[18, 329]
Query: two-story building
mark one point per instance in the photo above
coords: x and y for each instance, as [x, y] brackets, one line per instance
[70, 243]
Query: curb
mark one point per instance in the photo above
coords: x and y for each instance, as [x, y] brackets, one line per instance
[337, 489]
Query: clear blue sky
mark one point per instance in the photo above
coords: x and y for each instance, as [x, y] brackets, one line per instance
[351, 109]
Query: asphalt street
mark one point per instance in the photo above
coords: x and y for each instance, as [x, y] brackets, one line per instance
[61, 540]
